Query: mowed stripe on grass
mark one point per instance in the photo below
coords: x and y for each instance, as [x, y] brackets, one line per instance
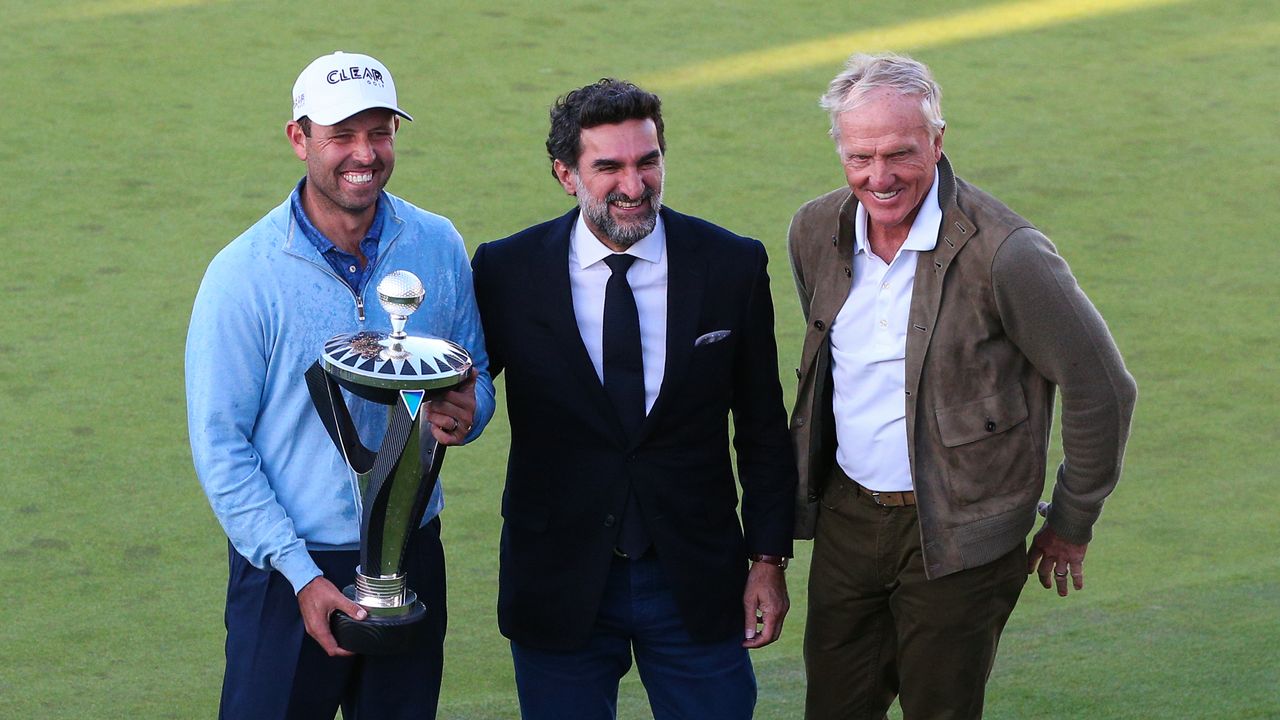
[916, 34]
[98, 9]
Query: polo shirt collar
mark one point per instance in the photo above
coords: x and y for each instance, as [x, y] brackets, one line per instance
[923, 236]
[318, 239]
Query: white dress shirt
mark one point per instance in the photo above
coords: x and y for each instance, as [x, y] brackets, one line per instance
[588, 275]
[868, 355]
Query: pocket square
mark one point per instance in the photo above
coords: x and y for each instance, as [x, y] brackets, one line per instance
[711, 337]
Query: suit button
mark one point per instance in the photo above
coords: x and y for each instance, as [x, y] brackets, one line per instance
[991, 425]
[813, 497]
[609, 520]
[799, 422]
[819, 324]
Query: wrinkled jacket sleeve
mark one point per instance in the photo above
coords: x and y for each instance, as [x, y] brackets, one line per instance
[1047, 315]
[226, 366]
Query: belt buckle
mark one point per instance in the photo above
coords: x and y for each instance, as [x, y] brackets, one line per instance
[875, 498]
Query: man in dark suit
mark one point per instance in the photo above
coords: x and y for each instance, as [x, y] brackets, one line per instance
[628, 333]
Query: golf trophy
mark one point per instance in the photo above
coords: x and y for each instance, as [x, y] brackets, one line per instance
[397, 479]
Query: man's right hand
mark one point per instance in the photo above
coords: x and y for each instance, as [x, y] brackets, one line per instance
[317, 601]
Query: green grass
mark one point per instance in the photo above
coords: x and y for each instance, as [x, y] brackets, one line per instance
[140, 137]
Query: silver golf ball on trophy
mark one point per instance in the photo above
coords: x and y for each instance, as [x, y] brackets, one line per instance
[395, 480]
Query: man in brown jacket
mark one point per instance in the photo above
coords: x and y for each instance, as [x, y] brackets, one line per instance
[939, 326]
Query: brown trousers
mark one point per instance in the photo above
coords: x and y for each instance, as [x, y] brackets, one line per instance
[877, 629]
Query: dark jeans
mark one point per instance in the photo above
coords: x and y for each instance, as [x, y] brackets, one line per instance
[878, 629]
[275, 670]
[684, 679]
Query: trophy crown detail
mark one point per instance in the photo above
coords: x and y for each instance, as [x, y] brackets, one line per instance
[395, 361]
[400, 293]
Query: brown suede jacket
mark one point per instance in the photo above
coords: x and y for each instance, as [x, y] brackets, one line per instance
[997, 322]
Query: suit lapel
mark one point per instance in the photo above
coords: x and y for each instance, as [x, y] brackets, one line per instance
[550, 290]
[931, 271]
[827, 257]
[835, 276]
[686, 278]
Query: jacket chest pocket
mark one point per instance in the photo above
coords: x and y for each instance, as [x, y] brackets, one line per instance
[973, 421]
[988, 450]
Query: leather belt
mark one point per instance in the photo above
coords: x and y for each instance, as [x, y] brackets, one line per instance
[887, 499]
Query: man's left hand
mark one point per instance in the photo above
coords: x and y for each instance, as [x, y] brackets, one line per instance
[1050, 555]
[766, 604]
[451, 414]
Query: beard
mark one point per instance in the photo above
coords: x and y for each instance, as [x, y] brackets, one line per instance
[625, 233]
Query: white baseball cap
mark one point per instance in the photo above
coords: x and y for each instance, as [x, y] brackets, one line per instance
[335, 87]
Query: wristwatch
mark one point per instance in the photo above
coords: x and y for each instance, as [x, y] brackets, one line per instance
[778, 560]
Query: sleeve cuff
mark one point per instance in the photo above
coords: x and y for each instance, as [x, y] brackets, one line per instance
[1073, 524]
[297, 567]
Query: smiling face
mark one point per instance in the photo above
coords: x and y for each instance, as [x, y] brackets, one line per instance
[618, 181]
[889, 157]
[348, 164]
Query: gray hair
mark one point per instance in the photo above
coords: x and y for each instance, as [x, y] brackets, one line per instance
[864, 73]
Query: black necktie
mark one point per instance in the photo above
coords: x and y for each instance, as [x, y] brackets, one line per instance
[623, 360]
[624, 382]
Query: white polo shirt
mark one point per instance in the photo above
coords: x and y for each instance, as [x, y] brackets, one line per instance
[868, 354]
[588, 275]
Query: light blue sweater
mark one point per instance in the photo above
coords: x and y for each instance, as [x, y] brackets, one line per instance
[268, 302]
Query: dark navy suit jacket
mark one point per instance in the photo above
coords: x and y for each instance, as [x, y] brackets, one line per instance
[569, 466]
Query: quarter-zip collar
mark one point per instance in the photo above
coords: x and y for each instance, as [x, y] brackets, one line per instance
[345, 265]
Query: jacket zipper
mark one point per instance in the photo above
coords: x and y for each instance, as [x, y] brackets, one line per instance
[354, 294]
[359, 300]
[324, 267]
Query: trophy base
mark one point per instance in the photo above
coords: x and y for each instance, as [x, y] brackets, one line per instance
[381, 634]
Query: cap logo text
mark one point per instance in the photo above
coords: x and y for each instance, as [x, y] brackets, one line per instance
[369, 75]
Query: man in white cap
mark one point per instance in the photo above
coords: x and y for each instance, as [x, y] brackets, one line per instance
[283, 493]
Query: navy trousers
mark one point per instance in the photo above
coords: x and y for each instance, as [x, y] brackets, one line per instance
[275, 670]
[683, 678]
